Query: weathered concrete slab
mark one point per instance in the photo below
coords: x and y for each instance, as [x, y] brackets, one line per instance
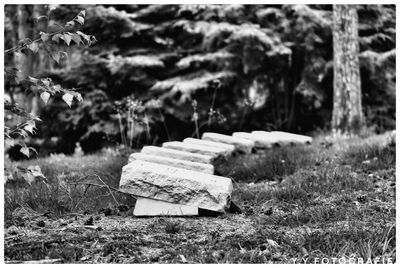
[176, 154]
[259, 141]
[195, 148]
[229, 148]
[273, 137]
[175, 185]
[151, 207]
[241, 145]
[195, 166]
[285, 137]
[297, 138]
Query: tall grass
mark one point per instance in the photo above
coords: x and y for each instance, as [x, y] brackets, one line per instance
[66, 191]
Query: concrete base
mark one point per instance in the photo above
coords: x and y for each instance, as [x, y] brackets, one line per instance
[151, 207]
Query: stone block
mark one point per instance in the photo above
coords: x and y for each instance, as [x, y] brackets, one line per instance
[195, 148]
[175, 185]
[284, 137]
[151, 207]
[297, 138]
[176, 154]
[273, 137]
[259, 141]
[229, 148]
[196, 166]
[241, 145]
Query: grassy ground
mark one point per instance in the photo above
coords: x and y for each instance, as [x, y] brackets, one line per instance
[300, 204]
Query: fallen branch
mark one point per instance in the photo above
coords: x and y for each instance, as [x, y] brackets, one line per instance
[104, 185]
[108, 187]
[45, 261]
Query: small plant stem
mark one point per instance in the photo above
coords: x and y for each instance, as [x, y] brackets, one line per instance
[242, 118]
[196, 123]
[108, 187]
[197, 130]
[121, 129]
[165, 125]
[131, 128]
[138, 138]
[147, 128]
[212, 108]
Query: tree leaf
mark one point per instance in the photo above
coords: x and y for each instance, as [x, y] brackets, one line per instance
[56, 56]
[63, 54]
[46, 81]
[30, 127]
[24, 42]
[25, 151]
[31, 174]
[44, 36]
[22, 133]
[34, 47]
[42, 18]
[57, 88]
[36, 172]
[56, 37]
[27, 176]
[25, 51]
[45, 96]
[93, 39]
[52, 7]
[78, 96]
[67, 38]
[19, 59]
[70, 23]
[33, 80]
[77, 38]
[10, 142]
[67, 97]
[80, 20]
[85, 36]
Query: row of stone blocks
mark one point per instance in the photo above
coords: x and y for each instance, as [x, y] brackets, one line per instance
[180, 178]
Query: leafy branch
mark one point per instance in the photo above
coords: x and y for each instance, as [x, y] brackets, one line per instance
[41, 87]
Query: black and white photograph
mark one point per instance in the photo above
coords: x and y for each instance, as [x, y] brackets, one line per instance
[198, 133]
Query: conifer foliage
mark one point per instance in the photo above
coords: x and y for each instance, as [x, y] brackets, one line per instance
[273, 65]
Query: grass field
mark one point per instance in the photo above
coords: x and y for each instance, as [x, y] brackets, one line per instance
[300, 204]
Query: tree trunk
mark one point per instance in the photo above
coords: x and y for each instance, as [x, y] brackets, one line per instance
[347, 111]
[25, 30]
[31, 64]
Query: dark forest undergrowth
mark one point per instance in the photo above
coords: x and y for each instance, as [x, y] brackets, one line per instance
[326, 200]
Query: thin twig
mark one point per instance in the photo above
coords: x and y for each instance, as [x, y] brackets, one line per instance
[10, 50]
[102, 186]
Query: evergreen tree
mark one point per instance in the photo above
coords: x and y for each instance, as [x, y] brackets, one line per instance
[246, 66]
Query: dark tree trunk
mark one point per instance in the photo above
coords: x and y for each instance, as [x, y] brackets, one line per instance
[347, 111]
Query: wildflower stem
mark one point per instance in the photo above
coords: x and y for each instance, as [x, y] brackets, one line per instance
[165, 125]
[211, 108]
[121, 130]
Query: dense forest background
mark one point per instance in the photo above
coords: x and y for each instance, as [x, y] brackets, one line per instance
[161, 72]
